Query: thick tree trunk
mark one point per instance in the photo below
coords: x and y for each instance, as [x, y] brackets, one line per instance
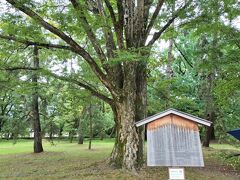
[128, 149]
[35, 109]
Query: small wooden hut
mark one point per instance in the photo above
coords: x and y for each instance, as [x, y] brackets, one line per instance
[173, 139]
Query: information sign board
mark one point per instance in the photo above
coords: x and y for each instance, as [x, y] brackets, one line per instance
[176, 174]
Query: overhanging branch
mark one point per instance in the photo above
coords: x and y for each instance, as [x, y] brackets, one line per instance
[88, 87]
[32, 43]
[18, 68]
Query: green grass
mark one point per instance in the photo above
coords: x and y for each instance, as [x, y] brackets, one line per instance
[224, 146]
[65, 160]
[26, 146]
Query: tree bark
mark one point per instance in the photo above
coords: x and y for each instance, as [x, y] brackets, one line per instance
[128, 149]
[38, 148]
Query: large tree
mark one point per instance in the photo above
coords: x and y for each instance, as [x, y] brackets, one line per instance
[121, 35]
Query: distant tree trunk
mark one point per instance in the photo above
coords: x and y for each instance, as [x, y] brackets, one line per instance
[51, 135]
[7, 135]
[71, 136]
[45, 117]
[90, 127]
[170, 58]
[112, 134]
[61, 126]
[210, 107]
[207, 139]
[35, 109]
[80, 139]
[209, 130]
[1, 121]
[101, 135]
[80, 135]
[80, 132]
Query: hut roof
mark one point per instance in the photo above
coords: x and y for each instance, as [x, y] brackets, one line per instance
[176, 112]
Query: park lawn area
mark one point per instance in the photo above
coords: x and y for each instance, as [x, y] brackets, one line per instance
[65, 160]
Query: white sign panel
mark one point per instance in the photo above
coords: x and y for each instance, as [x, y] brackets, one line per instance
[176, 173]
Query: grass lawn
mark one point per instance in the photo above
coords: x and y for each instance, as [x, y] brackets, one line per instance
[65, 160]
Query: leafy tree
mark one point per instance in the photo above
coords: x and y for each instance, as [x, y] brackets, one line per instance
[115, 41]
[125, 79]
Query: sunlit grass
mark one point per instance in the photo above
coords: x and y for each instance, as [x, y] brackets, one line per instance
[224, 146]
[26, 146]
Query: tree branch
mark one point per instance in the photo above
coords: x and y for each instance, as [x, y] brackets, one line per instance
[154, 16]
[120, 24]
[76, 47]
[157, 35]
[183, 55]
[32, 43]
[81, 84]
[77, 6]
[67, 79]
[19, 68]
[112, 14]
[110, 44]
[116, 24]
